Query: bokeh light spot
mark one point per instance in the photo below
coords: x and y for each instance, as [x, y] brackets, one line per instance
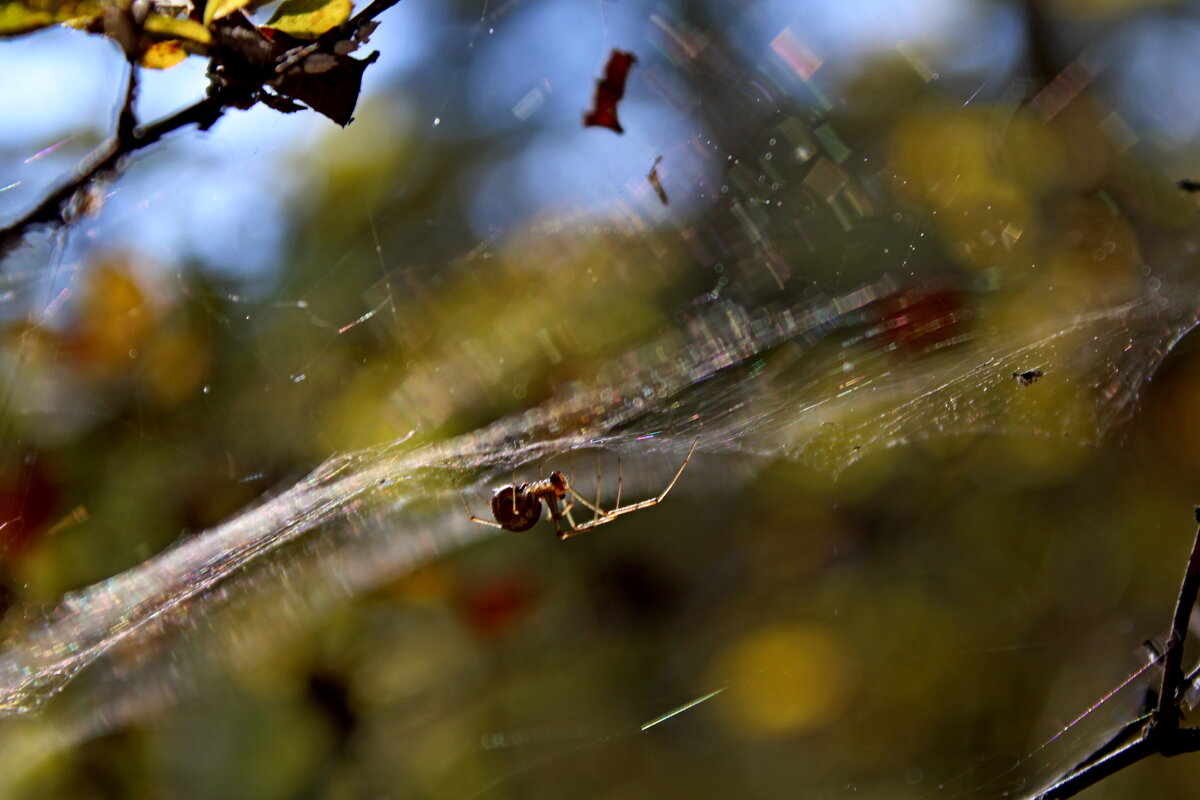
[785, 679]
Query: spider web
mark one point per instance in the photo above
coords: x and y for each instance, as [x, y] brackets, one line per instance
[813, 315]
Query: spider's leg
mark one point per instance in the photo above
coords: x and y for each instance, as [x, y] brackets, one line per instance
[609, 516]
[620, 477]
[556, 514]
[682, 466]
[629, 509]
[600, 512]
[587, 526]
[474, 518]
[596, 508]
[653, 501]
[567, 513]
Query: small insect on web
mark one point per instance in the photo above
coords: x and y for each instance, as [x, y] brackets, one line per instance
[1027, 378]
[518, 507]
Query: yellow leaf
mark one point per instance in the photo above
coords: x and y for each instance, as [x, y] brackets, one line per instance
[79, 23]
[309, 18]
[220, 8]
[17, 17]
[164, 55]
[178, 28]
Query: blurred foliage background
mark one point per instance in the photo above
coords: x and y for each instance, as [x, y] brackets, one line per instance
[913, 622]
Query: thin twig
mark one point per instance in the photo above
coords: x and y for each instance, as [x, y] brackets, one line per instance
[1097, 771]
[366, 15]
[1172, 679]
[128, 139]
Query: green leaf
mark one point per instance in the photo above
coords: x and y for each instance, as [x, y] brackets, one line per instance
[308, 19]
[19, 17]
[177, 28]
[215, 9]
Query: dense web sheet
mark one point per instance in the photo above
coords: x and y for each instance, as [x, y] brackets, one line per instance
[820, 322]
[733, 379]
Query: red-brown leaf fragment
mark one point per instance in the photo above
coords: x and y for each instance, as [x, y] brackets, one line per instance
[609, 91]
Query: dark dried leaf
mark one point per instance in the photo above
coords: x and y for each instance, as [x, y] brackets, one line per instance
[332, 91]
[609, 92]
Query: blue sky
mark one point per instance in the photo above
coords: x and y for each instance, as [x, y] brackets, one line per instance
[532, 68]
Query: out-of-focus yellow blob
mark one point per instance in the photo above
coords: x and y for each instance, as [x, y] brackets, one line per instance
[431, 585]
[114, 317]
[983, 171]
[352, 419]
[784, 679]
[952, 155]
[355, 171]
[177, 363]
[1176, 424]
[514, 319]
[940, 155]
[1094, 258]
[32, 757]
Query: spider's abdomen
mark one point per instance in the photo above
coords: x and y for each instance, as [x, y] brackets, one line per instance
[515, 508]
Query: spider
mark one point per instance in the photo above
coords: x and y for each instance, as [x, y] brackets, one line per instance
[519, 507]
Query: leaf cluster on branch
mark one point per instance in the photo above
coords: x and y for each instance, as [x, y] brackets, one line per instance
[298, 58]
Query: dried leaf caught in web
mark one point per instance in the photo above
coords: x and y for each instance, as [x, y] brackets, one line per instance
[609, 91]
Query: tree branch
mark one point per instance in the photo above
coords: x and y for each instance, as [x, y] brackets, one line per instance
[129, 138]
[1159, 732]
